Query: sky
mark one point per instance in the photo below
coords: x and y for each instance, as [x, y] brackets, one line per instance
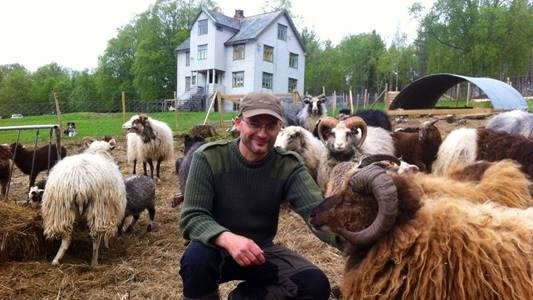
[74, 33]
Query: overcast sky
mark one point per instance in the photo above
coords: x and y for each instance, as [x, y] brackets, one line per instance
[73, 33]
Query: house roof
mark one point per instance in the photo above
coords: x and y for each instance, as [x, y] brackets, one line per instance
[185, 45]
[248, 28]
[426, 91]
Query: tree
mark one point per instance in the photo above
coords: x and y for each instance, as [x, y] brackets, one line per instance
[50, 79]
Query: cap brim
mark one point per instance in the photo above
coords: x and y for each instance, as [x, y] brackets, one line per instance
[261, 111]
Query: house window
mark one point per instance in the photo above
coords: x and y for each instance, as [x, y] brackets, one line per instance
[202, 27]
[268, 53]
[267, 80]
[238, 52]
[187, 58]
[202, 52]
[293, 60]
[238, 79]
[293, 83]
[187, 83]
[282, 32]
[193, 80]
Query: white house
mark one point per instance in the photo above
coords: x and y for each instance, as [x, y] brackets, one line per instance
[237, 55]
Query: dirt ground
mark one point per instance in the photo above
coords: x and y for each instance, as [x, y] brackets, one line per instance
[144, 265]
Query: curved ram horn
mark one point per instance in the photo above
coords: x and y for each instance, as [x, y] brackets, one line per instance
[325, 123]
[373, 179]
[356, 122]
[378, 157]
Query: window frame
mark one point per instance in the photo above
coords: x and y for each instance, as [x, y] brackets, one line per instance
[266, 53]
[188, 58]
[264, 83]
[295, 84]
[203, 27]
[235, 81]
[293, 60]
[203, 51]
[236, 52]
[187, 83]
[282, 32]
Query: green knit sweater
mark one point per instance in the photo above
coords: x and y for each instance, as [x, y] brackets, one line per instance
[225, 192]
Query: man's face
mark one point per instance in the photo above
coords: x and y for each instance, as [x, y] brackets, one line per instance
[258, 135]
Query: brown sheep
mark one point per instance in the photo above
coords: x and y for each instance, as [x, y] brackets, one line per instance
[406, 241]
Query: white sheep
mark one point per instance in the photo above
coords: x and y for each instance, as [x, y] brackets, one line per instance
[302, 141]
[89, 186]
[514, 122]
[157, 141]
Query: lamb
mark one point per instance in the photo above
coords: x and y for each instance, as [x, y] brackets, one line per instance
[87, 186]
[140, 195]
[405, 241]
[513, 122]
[418, 147]
[32, 162]
[470, 144]
[314, 109]
[302, 141]
[157, 141]
[183, 164]
[5, 168]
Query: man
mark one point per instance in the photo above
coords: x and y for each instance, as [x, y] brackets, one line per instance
[230, 213]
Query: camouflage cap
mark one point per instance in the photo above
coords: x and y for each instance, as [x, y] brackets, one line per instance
[260, 103]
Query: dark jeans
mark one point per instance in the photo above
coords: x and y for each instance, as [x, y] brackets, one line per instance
[284, 275]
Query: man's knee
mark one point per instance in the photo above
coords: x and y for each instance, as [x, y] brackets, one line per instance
[312, 284]
[200, 270]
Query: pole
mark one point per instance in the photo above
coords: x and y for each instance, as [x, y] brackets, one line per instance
[351, 101]
[58, 113]
[176, 109]
[123, 107]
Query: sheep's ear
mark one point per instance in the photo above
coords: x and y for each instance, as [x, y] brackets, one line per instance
[87, 141]
[112, 144]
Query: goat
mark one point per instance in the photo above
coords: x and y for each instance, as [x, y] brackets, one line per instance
[470, 144]
[302, 141]
[406, 241]
[32, 162]
[314, 109]
[418, 147]
[183, 164]
[88, 186]
[140, 195]
[513, 122]
[157, 141]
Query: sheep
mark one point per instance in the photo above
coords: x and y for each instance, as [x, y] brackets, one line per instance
[183, 164]
[471, 144]
[133, 151]
[5, 168]
[375, 118]
[420, 146]
[35, 195]
[302, 141]
[140, 195]
[513, 122]
[314, 109]
[32, 162]
[157, 141]
[86, 186]
[345, 142]
[404, 241]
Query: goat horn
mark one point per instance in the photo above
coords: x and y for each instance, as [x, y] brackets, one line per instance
[378, 157]
[373, 179]
[326, 123]
[356, 122]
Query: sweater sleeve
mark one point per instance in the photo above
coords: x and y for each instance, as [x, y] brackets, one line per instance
[196, 221]
[304, 195]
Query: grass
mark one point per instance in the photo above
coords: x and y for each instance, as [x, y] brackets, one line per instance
[101, 124]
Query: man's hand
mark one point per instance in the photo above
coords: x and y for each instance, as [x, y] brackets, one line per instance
[243, 250]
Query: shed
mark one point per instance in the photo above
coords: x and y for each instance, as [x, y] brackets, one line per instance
[426, 91]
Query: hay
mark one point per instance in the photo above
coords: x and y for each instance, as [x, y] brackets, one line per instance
[21, 233]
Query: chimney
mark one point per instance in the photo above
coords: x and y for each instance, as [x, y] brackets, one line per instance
[239, 14]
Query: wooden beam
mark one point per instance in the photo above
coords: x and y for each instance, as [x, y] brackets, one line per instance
[437, 111]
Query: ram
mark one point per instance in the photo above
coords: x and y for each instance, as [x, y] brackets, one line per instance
[420, 236]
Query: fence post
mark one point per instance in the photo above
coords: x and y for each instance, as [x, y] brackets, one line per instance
[334, 103]
[176, 104]
[220, 115]
[58, 113]
[123, 107]
[467, 93]
[351, 101]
